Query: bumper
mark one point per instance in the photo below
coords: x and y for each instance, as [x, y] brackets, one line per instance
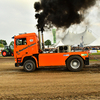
[18, 64]
[87, 61]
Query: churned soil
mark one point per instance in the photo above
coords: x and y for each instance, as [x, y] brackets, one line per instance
[48, 83]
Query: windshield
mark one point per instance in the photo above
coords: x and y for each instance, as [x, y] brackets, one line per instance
[6, 47]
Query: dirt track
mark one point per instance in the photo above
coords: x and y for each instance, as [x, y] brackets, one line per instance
[54, 84]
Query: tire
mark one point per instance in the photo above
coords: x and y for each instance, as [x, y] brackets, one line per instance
[75, 63]
[4, 53]
[29, 66]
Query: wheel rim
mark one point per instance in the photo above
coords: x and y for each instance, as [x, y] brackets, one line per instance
[75, 64]
[12, 54]
[29, 66]
[4, 53]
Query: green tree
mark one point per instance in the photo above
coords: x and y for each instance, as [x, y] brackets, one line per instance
[12, 43]
[1, 45]
[3, 42]
[47, 42]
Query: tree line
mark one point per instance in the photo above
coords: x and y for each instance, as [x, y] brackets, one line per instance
[3, 43]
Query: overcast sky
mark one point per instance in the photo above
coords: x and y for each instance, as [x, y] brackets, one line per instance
[17, 16]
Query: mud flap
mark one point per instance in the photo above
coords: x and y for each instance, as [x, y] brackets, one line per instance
[87, 61]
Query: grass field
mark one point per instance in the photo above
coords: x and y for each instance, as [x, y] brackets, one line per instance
[94, 54]
[94, 60]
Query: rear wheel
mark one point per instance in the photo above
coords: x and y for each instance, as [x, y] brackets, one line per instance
[29, 66]
[75, 63]
[4, 53]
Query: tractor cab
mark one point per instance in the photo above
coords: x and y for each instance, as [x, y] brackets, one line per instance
[7, 47]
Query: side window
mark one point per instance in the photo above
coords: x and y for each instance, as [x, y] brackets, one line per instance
[21, 41]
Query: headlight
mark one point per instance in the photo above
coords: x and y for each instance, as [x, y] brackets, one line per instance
[83, 54]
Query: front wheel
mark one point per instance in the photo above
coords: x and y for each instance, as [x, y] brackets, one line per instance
[75, 63]
[29, 66]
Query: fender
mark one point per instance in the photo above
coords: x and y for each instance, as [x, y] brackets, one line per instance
[31, 56]
[37, 65]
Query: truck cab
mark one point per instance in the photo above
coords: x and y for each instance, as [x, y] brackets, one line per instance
[27, 53]
[25, 44]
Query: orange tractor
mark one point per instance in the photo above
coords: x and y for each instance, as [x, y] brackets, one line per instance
[29, 54]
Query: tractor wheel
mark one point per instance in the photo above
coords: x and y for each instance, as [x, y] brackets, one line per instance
[4, 53]
[29, 66]
[75, 63]
[12, 54]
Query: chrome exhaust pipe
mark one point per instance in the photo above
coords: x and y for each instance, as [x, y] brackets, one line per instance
[42, 41]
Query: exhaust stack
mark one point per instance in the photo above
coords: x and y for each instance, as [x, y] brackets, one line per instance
[42, 42]
[42, 38]
[39, 38]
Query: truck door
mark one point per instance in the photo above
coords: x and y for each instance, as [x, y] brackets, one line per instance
[33, 46]
[21, 47]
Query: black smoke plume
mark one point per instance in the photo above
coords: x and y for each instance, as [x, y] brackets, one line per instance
[60, 13]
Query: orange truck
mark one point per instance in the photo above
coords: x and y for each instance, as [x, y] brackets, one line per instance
[28, 53]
